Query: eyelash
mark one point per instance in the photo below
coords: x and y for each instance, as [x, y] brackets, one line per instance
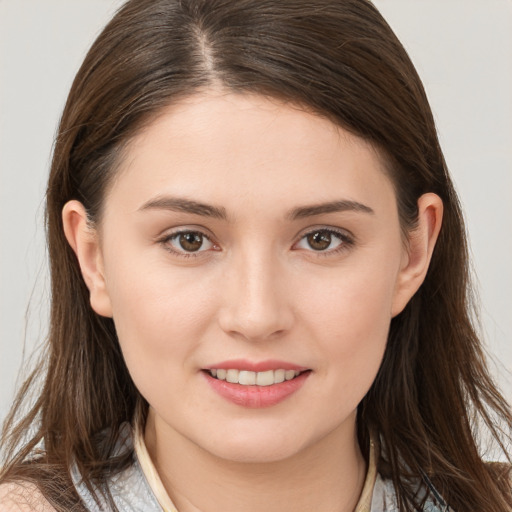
[346, 241]
[166, 242]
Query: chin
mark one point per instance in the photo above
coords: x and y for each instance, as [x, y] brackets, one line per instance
[249, 453]
[257, 447]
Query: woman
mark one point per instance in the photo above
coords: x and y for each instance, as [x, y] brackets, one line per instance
[259, 275]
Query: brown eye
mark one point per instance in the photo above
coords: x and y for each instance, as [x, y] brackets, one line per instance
[319, 240]
[327, 241]
[190, 242]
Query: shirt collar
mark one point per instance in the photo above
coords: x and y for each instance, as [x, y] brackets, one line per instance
[156, 485]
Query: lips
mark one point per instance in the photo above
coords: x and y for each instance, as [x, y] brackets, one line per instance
[254, 385]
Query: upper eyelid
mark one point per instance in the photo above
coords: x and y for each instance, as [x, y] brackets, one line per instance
[331, 229]
[172, 232]
[207, 233]
[346, 238]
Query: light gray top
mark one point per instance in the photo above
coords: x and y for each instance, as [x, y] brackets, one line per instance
[131, 491]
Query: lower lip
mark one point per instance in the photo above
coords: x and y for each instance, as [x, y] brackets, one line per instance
[255, 397]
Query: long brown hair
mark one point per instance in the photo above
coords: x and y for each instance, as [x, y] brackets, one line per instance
[339, 59]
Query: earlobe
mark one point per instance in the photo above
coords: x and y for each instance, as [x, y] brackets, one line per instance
[418, 254]
[84, 241]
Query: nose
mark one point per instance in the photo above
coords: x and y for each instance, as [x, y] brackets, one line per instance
[256, 299]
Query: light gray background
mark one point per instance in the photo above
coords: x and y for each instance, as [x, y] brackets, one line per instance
[462, 49]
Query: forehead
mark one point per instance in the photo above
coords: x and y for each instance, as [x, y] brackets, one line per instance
[221, 146]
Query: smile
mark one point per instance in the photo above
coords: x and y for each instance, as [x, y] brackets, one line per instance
[249, 378]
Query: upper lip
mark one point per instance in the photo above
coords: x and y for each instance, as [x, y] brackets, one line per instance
[255, 366]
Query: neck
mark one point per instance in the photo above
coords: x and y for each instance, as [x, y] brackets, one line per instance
[326, 477]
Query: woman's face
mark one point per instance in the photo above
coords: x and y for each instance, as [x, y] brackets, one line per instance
[244, 234]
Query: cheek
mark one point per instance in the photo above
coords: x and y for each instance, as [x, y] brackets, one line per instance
[351, 300]
[349, 315]
[160, 318]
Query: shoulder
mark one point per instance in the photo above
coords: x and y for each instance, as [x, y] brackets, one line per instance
[22, 497]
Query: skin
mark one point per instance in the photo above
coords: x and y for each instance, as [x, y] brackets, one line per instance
[256, 290]
[23, 497]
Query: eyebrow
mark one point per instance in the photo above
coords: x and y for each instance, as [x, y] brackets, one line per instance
[178, 204]
[330, 207]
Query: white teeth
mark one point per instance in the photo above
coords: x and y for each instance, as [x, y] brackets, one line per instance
[247, 378]
[289, 374]
[279, 376]
[232, 376]
[265, 378]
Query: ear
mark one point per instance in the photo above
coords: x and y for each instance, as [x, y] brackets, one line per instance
[418, 253]
[84, 241]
